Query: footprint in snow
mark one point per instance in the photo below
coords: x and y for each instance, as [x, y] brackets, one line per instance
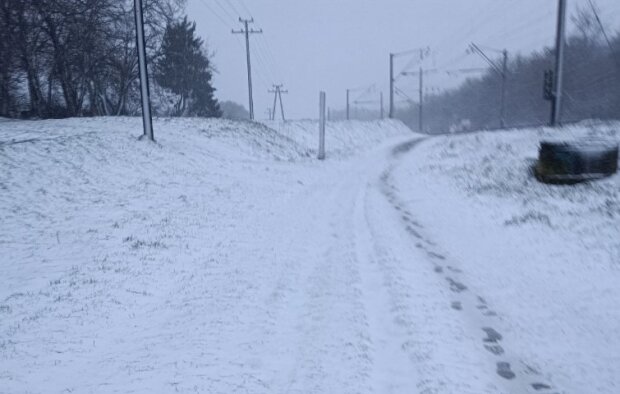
[455, 286]
[492, 335]
[504, 370]
[540, 386]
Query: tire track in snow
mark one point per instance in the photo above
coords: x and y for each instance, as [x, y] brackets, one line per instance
[519, 376]
[332, 352]
[369, 320]
[396, 350]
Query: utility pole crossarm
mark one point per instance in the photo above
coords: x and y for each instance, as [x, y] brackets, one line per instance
[425, 50]
[431, 71]
[465, 70]
[366, 102]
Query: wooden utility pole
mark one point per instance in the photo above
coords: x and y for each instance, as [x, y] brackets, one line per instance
[502, 120]
[560, 43]
[145, 94]
[348, 115]
[247, 31]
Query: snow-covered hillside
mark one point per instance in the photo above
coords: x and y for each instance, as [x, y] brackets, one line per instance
[226, 258]
[96, 168]
[342, 139]
[129, 266]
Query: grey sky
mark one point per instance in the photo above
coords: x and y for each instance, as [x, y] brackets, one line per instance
[332, 45]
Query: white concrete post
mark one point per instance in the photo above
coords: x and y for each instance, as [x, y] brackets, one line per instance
[322, 126]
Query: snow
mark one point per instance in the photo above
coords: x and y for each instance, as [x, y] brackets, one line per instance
[545, 258]
[342, 139]
[226, 258]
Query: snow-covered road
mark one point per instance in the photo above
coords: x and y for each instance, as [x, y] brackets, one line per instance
[193, 270]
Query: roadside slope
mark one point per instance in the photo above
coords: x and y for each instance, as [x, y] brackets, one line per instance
[542, 259]
[205, 262]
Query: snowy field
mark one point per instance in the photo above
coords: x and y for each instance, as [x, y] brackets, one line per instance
[226, 259]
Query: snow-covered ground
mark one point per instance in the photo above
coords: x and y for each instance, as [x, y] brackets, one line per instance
[545, 259]
[227, 259]
[342, 139]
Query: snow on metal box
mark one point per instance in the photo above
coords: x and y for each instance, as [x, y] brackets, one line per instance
[572, 162]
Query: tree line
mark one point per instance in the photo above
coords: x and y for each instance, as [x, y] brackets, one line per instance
[591, 87]
[64, 58]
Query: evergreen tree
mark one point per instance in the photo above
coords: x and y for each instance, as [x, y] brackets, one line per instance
[185, 69]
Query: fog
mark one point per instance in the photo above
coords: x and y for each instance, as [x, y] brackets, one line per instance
[312, 45]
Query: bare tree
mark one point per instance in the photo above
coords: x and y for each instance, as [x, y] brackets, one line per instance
[76, 57]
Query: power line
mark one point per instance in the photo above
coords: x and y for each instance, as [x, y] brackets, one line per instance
[217, 15]
[226, 24]
[265, 61]
[232, 6]
[225, 10]
[518, 29]
[423, 52]
[598, 19]
[403, 94]
[368, 90]
[244, 7]
[454, 60]
[489, 13]
[262, 63]
[493, 11]
[268, 54]
[501, 70]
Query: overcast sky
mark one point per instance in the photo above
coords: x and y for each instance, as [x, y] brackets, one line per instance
[332, 45]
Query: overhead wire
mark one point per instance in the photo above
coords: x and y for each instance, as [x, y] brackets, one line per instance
[604, 31]
[403, 94]
[244, 7]
[226, 11]
[461, 31]
[232, 6]
[264, 63]
[217, 14]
